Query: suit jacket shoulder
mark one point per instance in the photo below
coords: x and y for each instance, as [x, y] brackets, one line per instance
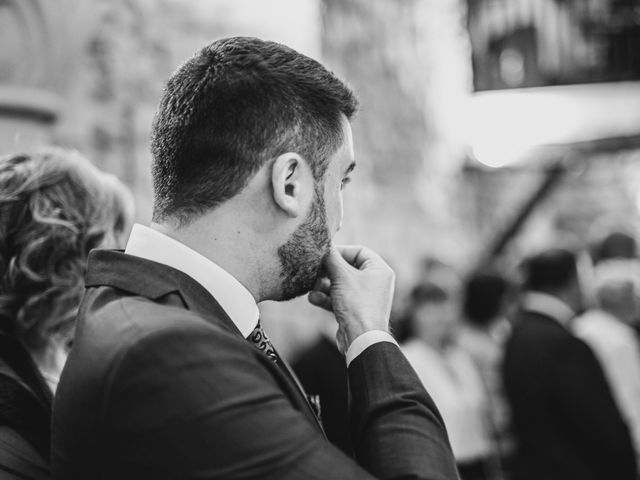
[564, 415]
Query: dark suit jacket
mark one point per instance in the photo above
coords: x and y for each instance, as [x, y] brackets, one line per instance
[565, 420]
[160, 384]
[323, 372]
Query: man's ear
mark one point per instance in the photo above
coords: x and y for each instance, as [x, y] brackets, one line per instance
[286, 179]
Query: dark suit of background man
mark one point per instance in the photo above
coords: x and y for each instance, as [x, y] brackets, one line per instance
[171, 375]
[566, 423]
[322, 372]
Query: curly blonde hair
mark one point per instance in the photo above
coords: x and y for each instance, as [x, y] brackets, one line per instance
[55, 206]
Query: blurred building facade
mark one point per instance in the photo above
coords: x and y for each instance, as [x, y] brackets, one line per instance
[528, 43]
[40, 43]
[589, 125]
[88, 74]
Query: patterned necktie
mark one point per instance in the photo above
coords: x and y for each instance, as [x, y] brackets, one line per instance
[259, 338]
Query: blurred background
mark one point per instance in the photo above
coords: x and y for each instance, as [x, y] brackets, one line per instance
[488, 128]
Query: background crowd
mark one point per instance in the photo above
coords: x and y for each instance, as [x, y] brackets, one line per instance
[535, 369]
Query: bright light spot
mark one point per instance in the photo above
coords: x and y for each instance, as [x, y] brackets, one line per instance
[498, 155]
[503, 127]
[510, 126]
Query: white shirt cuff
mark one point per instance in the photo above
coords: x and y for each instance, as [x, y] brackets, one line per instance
[365, 340]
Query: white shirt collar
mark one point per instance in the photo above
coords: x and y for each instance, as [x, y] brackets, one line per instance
[548, 305]
[232, 296]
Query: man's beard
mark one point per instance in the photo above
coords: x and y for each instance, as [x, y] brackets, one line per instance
[301, 257]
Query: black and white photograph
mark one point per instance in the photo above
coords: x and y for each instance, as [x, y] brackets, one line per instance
[319, 239]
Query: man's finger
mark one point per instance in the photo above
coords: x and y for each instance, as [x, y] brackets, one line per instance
[350, 254]
[323, 284]
[334, 261]
[358, 256]
[321, 300]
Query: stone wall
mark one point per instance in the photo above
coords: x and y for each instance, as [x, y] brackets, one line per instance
[39, 45]
[124, 62]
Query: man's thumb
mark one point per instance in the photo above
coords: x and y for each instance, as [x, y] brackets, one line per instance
[335, 261]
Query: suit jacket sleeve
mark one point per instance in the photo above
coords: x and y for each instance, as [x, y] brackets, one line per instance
[221, 414]
[584, 400]
[393, 417]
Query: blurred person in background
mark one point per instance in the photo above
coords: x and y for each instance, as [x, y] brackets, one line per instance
[618, 251]
[324, 376]
[564, 417]
[483, 334]
[451, 378]
[434, 270]
[615, 245]
[54, 208]
[430, 270]
[607, 330]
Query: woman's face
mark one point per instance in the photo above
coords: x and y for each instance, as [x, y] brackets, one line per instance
[435, 322]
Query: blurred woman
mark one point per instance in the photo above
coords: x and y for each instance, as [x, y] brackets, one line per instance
[451, 378]
[483, 332]
[54, 208]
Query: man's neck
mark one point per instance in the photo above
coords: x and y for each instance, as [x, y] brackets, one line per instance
[550, 305]
[228, 244]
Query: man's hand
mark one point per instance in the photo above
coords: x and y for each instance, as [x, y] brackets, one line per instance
[358, 290]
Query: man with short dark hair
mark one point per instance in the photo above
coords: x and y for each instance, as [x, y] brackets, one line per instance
[171, 374]
[565, 420]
